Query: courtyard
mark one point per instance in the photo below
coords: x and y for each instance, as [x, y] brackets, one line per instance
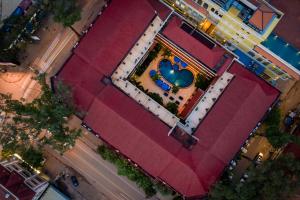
[168, 78]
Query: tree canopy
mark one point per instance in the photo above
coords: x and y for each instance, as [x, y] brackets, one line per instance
[202, 82]
[272, 180]
[66, 12]
[274, 134]
[172, 107]
[273, 118]
[42, 121]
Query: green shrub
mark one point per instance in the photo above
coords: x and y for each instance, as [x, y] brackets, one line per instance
[127, 169]
[107, 154]
[156, 77]
[151, 56]
[156, 97]
[202, 82]
[273, 117]
[175, 89]
[167, 52]
[33, 157]
[163, 189]
[172, 107]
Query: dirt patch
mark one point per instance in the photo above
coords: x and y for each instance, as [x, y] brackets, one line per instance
[291, 99]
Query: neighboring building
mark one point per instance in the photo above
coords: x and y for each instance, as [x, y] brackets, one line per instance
[52, 193]
[246, 25]
[187, 151]
[17, 183]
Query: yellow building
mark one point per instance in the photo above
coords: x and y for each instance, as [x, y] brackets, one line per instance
[241, 24]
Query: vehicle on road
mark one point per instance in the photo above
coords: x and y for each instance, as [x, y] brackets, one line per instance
[74, 181]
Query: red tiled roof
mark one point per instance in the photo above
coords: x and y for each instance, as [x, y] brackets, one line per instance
[87, 84]
[228, 124]
[262, 17]
[14, 183]
[162, 10]
[209, 57]
[140, 135]
[143, 138]
[114, 34]
[191, 103]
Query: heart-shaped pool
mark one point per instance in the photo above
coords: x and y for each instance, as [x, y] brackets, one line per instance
[181, 78]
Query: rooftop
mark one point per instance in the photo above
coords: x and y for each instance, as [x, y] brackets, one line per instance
[14, 183]
[209, 55]
[289, 25]
[262, 17]
[140, 135]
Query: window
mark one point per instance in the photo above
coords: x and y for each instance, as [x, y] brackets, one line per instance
[205, 5]
[259, 59]
[212, 9]
[199, 2]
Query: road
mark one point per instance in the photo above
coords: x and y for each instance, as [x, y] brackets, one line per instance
[98, 172]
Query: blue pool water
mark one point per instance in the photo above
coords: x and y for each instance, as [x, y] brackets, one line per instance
[181, 78]
[284, 50]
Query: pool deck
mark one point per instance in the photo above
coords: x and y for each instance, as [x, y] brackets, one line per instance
[149, 84]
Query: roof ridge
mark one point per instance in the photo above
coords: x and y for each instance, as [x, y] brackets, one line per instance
[235, 114]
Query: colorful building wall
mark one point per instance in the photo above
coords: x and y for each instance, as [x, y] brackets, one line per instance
[224, 24]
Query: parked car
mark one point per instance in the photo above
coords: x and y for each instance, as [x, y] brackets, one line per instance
[258, 158]
[74, 181]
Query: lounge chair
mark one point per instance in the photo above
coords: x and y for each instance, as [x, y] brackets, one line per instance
[176, 59]
[184, 64]
[152, 73]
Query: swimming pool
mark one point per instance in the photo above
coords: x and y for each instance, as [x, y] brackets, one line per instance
[181, 78]
[284, 50]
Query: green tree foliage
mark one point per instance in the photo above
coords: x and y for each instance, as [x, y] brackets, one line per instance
[175, 89]
[202, 82]
[156, 77]
[152, 55]
[273, 180]
[66, 12]
[278, 138]
[163, 189]
[273, 118]
[275, 136]
[34, 157]
[172, 107]
[167, 52]
[156, 97]
[127, 169]
[46, 114]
